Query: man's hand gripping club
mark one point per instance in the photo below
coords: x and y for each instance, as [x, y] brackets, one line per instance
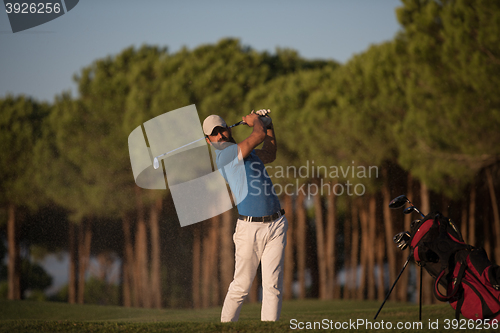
[260, 121]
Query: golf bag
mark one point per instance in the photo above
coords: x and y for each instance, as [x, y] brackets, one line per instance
[471, 282]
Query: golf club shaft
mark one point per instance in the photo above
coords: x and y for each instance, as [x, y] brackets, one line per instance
[416, 209]
[187, 144]
[238, 123]
[420, 297]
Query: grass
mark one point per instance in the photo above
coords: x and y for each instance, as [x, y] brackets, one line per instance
[31, 316]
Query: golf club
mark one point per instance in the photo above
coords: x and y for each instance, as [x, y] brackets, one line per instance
[400, 201]
[414, 209]
[409, 210]
[402, 240]
[156, 162]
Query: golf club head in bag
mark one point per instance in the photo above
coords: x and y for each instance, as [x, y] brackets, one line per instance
[398, 202]
[402, 240]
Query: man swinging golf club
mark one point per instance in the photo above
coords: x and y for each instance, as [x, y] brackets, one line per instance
[260, 235]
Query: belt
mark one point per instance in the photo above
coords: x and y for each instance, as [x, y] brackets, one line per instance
[268, 218]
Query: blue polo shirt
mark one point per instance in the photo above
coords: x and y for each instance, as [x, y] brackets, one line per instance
[251, 185]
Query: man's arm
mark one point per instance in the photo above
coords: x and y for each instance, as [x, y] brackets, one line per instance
[268, 152]
[257, 136]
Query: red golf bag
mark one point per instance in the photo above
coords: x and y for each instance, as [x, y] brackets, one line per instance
[471, 282]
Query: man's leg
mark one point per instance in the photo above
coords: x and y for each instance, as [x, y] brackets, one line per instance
[272, 262]
[247, 254]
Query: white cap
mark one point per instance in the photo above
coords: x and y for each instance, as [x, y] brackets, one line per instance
[211, 122]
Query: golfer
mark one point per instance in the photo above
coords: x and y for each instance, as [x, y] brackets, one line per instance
[260, 235]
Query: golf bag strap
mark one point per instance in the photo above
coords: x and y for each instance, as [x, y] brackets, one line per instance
[446, 298]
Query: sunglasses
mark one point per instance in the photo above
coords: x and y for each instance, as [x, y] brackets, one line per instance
[218, 129]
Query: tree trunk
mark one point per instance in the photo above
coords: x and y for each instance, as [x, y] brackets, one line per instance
[214, 260]
[154, 226]
[472, 216]
[141, 255]
[346, 294]
[320, 245]
[389, 230]
[104, 266]
[141, 252]
[14, 266]
[445, 206]
[496, 214]
[85, 240]
[333, 290]
[300, 236]
[427, 296]
[486, 223]
[464, 221]
[353, 281]
[487, 231]
[371, 246]
[130, 292]
[209, 263]
[289, 264]
[196, 266]
[380, 248]
[365, 249]
[73, 263]
[226, 252]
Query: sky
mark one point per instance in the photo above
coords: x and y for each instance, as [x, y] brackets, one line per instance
[40, 62]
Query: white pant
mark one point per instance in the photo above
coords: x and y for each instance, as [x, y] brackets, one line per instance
[256, 242]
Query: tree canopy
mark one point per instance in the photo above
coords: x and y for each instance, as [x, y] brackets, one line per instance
[451, 129]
